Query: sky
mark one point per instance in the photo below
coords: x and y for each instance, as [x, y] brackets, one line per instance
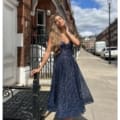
[91, 16]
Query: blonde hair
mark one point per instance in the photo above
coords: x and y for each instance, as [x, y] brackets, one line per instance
[55, 34]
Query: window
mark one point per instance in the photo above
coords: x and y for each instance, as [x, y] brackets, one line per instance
[40, 17]
[40, 21]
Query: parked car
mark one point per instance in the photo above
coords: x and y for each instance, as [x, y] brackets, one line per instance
[99, 45]
[105, 52]
[91, 50]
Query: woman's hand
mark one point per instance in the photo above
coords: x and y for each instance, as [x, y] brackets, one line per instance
[37, 70]
[67, 29]
[72, 37]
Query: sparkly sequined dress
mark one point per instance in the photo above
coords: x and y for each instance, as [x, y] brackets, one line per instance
[69, 92]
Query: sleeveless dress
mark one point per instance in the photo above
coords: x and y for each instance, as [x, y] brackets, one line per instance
[69, 92]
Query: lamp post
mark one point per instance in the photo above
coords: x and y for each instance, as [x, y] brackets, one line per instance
[109, 32]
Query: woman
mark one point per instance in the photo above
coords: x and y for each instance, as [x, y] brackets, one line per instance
[69, 92]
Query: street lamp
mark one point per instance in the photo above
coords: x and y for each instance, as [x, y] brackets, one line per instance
[109, 32]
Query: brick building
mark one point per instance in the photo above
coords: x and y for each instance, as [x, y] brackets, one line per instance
[104, 36]
[28, 14]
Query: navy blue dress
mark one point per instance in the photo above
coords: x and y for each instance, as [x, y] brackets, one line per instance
[69, 92]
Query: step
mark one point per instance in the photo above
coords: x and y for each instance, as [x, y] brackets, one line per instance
[43, 82]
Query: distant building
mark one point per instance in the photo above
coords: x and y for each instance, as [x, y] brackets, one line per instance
[104, 36]
[89, 42]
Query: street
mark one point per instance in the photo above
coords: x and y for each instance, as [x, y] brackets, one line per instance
[115, 62]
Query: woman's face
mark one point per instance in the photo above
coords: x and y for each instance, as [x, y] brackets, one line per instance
[60, 22]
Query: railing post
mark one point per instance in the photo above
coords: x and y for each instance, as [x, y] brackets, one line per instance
[36, 106]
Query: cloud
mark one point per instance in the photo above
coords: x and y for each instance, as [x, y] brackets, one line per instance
[93, 20]
[86, 33]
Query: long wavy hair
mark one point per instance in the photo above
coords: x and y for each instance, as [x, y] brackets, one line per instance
[54, 34]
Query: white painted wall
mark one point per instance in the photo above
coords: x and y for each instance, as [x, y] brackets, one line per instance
[9, 42]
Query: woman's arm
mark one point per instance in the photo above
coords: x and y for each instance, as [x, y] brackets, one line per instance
[44, 60]
[46, 55]
[72, 37]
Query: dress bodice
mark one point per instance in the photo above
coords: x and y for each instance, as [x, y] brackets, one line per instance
[65, 51]
[66, 47]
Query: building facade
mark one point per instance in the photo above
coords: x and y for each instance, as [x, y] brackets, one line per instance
[88, 43]
[24, 36]
[21, 17]
[104, 35]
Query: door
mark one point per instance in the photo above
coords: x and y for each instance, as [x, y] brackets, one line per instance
[9, 43]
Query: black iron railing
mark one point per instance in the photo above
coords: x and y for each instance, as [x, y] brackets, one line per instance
[38, 47]
[31, 109]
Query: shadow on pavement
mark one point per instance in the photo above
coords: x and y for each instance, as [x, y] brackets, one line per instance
[78, 118]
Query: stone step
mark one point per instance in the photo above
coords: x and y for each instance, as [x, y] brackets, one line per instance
[43, 82]
[45, 88]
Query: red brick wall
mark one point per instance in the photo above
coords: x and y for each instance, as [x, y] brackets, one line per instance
[104, 35]
[26, 22]
[24, 26]
[44, 5]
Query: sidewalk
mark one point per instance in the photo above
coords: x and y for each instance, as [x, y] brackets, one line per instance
[102, 82]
